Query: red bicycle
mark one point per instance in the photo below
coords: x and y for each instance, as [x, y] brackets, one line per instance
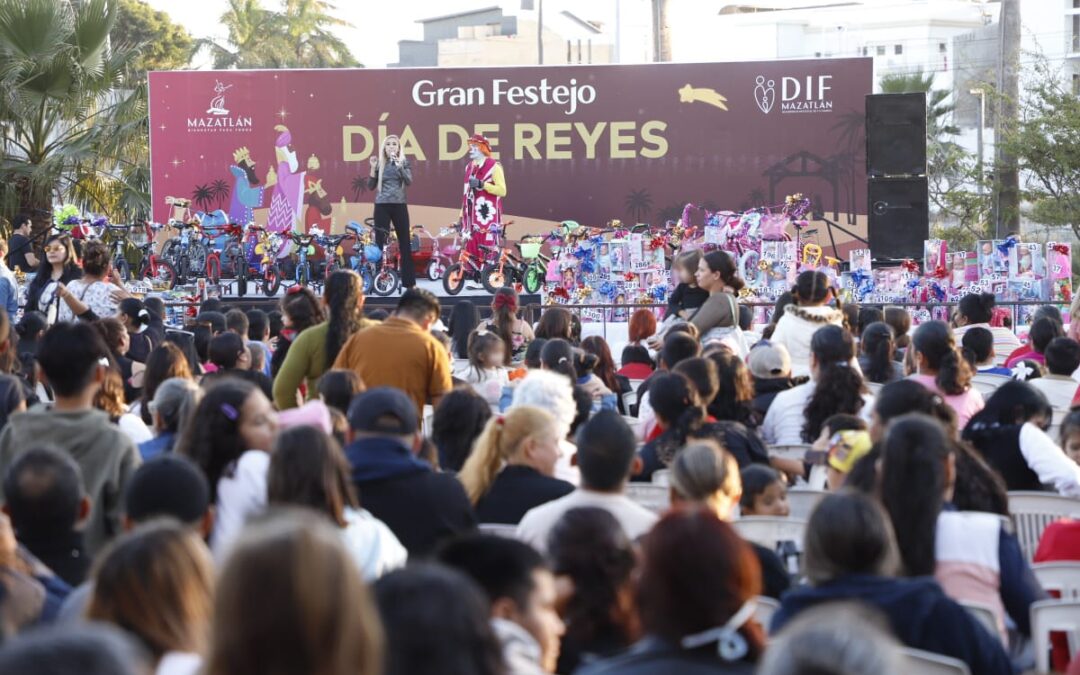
[153, 268]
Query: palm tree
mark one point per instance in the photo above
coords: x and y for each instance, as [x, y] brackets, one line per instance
[203, 196]
[220, 190]
[359, 186]
[253, 37]
[638, 204]
[298, 37]
[68, 132]
[937, 110]
[308, 24]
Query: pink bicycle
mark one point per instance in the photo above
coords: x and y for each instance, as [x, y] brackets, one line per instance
[446, 256]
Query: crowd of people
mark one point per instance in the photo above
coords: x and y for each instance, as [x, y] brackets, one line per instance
[327, 489]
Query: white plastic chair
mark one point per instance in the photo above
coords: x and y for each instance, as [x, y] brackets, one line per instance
[653, 497]
[1054, 430]
[988, 383]
[768, 531]
[499, 530]
[928, 663]
[1053, 616]
[803, 501]
[1033, 511]
[764, 609]
[983, 615]
[874, 387]
[629, 400]
[662, 477]
[1060, 577]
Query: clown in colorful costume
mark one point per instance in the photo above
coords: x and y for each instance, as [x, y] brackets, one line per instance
[481, 202]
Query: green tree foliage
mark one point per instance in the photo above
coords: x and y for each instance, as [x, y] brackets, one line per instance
[1046, 142]
[70, 133]
[299, 36]
[163, 45]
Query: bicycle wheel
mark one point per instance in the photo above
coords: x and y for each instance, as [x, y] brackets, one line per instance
[197, 256]
[493, 278]
[436, 268]
[213, 268]
[303, 274]
[233, 259]
[160, 272]
[534, 278]
[367, 277]
[271, 280]
[123, 269]
[453, 280]
[386, 281]
[169, 251]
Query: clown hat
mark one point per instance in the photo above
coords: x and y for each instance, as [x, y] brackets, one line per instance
[479, 140]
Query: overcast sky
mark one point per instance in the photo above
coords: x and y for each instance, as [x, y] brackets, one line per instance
[378, 25]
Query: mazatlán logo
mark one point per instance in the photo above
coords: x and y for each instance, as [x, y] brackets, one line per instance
[797, 94]
[217, 115]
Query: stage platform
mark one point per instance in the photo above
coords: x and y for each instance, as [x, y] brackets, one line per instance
[475, 293]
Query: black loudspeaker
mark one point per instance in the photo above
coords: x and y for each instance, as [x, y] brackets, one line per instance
[899, 217]
[896, 134]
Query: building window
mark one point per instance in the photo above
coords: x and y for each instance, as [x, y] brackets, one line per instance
[865, 51]
[881, 50]
[898, 49]
[942, 47]
[1076, 82]
[1076, 32]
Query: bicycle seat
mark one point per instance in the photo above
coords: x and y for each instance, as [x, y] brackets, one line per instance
[184, 226]
[118, 227]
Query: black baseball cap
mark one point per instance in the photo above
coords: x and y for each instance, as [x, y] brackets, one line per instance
[167, 485]
[383, 410]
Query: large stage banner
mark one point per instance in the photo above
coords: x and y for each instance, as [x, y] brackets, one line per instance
[586, 143]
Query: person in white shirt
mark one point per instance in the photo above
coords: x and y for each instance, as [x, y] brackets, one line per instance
[977, 309]
[229, 437]
[607, 458]
[813, 291]
[1062, 360]
[308, 468]
[836, 386]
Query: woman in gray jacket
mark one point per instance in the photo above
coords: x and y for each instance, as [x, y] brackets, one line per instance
[390, 174]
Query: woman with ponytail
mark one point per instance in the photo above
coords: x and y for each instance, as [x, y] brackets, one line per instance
[504, 322]
[313, 351]
[942, 368]
[558, 356]
[812, 292]
[877, 360]
[835, 387]
[971, 554]
[512, 466]
[1010, 435]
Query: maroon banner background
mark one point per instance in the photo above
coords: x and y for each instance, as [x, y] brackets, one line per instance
[634, 142]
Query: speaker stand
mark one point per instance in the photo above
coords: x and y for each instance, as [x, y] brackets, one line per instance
[832, 240]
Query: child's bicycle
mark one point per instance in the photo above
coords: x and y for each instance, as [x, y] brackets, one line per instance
[304, 248]
[442, 258]
[154, 268]
[267, 249]
[371, 262]
[469, 268]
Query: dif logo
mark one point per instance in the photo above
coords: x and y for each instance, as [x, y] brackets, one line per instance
[808, 94]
